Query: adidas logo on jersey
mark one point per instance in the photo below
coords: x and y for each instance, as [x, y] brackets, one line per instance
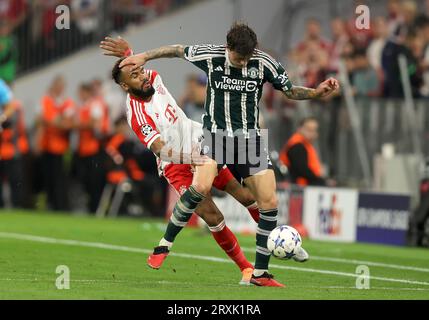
[219, 69]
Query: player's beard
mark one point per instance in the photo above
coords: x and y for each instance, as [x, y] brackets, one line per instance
[140, 93]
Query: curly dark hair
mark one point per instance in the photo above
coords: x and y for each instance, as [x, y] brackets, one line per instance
[241, 39]
[116, 71]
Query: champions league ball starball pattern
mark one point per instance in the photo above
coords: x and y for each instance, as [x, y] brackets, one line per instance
[283, 241]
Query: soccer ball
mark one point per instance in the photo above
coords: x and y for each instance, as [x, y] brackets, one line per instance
[283, 241]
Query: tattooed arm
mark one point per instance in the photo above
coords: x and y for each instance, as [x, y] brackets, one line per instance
[173, 51]
[120, 47]
[137, 61]
[303, 93]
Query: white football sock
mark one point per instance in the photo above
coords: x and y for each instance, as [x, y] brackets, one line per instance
[259, 272]
[164, 243]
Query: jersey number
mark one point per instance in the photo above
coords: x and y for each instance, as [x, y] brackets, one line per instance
[170, 114]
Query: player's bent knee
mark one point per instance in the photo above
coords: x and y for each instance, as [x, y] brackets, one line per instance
[268, 203]
[202, 188]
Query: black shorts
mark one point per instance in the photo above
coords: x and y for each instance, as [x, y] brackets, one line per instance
[244, 157]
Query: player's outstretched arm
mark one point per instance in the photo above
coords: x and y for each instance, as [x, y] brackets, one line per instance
[138, 60]
[323, 90]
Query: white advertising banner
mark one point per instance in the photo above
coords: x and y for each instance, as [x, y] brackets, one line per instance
[238, 218]
[330, 213]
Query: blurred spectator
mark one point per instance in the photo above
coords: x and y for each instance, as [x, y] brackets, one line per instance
[300, 156]
[312, 54]
[114, 98]
[123, 165]
[13, 16]
[375, 49]
[194, 98]
[403, 18]
[316, 65]
[423, 14]
[365, 80]
[86, 14]
[394, 16]
[424, 34]
[13, 145]
[409, 47]
[340, 41]
[14, 12]
[409, 13]
[125, 12]
[89, 122]
[417, 232]
[98, 96]
[313, 35]
[159, 7]
[8, 53]
[54, 125]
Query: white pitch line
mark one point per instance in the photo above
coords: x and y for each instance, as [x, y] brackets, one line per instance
[180, 283]
[73, 280]
[372, 288]
[352, 261]
[100, 245]
[371, 263]
[85, 280]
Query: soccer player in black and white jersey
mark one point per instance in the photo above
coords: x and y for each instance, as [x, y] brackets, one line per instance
[236, 74]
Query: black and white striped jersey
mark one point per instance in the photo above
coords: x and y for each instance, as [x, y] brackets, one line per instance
[233, 94]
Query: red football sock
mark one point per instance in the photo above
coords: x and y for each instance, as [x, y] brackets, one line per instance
[254, 211]
[228, 242]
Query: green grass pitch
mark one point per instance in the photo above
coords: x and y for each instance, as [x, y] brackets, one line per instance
[107, 260]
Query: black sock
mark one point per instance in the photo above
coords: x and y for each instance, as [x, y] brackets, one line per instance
[182, 212]
[267, 222]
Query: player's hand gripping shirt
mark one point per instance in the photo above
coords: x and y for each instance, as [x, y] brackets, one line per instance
[233, 94]
[161, 117]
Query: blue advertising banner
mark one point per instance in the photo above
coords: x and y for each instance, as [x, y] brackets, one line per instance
[382, 218]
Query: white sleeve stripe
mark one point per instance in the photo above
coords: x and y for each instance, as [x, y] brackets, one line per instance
[272, 70]
[138, 116]
[200, 53]
[201, 50]
[136, 108]
[142, 113]
[209, 47]
[152, 140]
[138, 111]
[267, 62]
[129, 112]
[133, 111]
[268, 57]
[204, 57]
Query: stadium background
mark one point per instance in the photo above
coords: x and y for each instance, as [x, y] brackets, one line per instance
[373, 143]
[350, 150]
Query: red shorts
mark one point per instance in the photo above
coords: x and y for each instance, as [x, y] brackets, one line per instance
[180, 177]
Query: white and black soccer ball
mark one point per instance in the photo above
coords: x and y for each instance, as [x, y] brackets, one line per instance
[283, 242]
